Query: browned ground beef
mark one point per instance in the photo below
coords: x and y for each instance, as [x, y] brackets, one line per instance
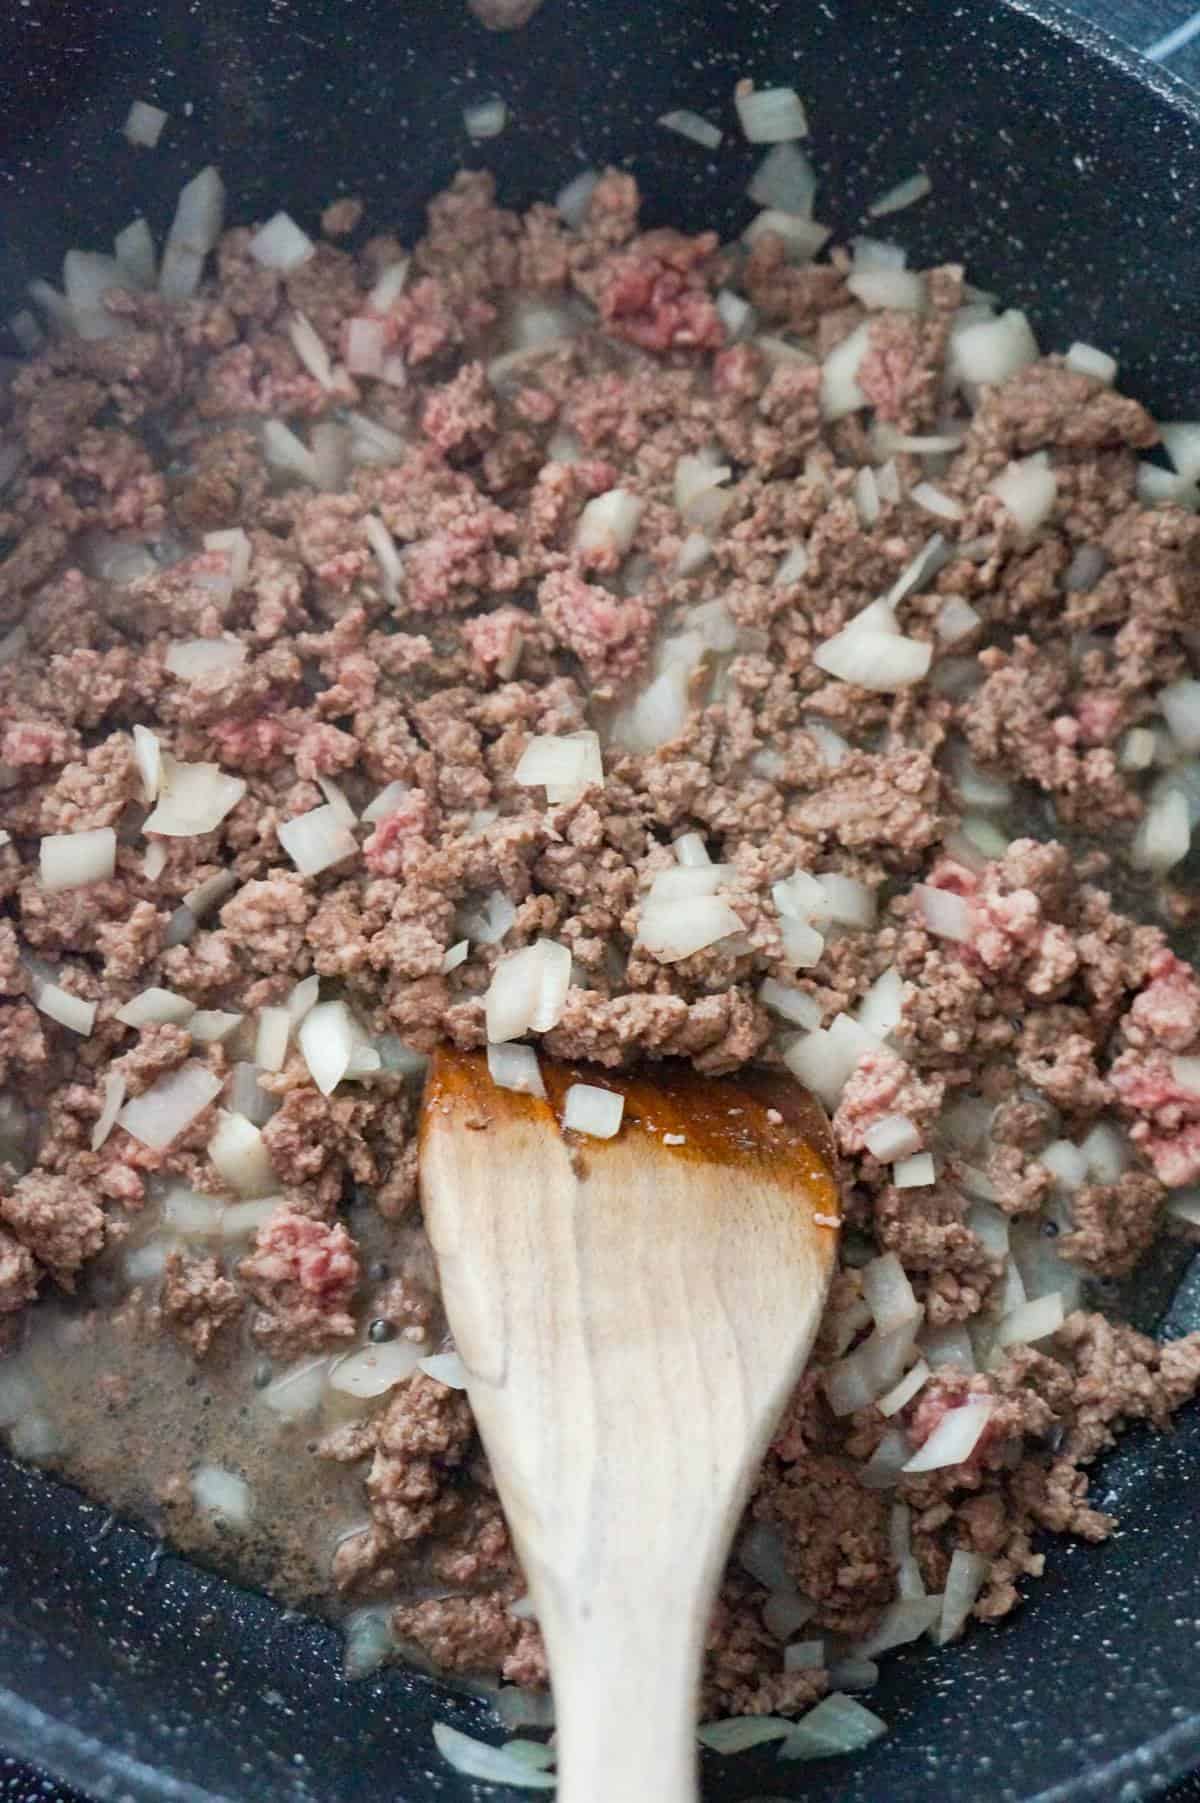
[1056, 1012]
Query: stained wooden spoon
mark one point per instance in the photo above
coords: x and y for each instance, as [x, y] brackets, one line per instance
[632, 1314]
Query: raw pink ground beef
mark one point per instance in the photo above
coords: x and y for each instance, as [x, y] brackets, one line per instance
[1056, 1013]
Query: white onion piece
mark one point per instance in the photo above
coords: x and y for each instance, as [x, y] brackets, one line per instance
[990, 1226]
[564, 764]
[271, 1038]
[1066, 1163]
[802, 944]
[804, 1656]
[691, 850]
[964, 1581]
[692, 126]
[284, 451]
[882, 1470]
[878, 661]
[515, 1067]
[366, 346]
[793, 566]
[491, 921]
[317, 840]
[114, 1095]
[236, 545]
[786, 180]
[801, 1009]
[697, 484]
[1032, 1321]
[831, 745]
[837, 1725]
[656, 716]
[212, 1026]
[901, 1623]
[528, 991]
[761, 1553]
[903, 194]
[914, 1381]
[901, 289]
[845, 900]
[1107, 1152]
[302, 998]
[371, 442]
[307, 344]
[1086, 360]
[680, 882]
[517, 1708]
[191, 1216]
[60, 1005]
[195, 229]
[192, 799]
[1163, 838]
[247, 1097]
[169, 1106]
[799, 895]
[888, 1293]
[592, 1110]
[736, 315]
[486, 119]
[297, 1392]
[387, 555]
[386, 802]
[374, 1370]
[840, 392]
[956, 619]
[27, 332]
[205, 895]
[454, 956]
[823, 1059]
[771, 115]
[891, 1137]
[194, 658]
[338, 800]
[694, 553]
[1180, 705]
[859, 1379]
[388, 287]
[133, 249]
[492, 1765]
[676, 930]
[222, 1494]
[801, 238]
[574, 197]
[445, 1368]
[876, 253]
[882, 1006]
[783, 1614]
[280, 244]
[954, 1438]
[72, 860]
[1185, 1206]
[238, 1151]
[991, 350]
[914, 1173]
[144, 124]
[609, 523]
[155, 1006]
[328, 1037]
[1028, 489]
[946, 915]
[866, 496]
[87, 277]
[948, 1346]
[854, 1674]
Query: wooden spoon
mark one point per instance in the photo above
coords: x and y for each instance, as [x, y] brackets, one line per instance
[633, 1314]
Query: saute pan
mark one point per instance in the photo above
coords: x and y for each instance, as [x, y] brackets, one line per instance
[1068, 177]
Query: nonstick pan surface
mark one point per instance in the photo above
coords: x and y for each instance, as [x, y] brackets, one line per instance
[1067, 175]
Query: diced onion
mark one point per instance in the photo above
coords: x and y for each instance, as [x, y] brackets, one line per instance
[223, 1494]
[144, 124]
[680, 882]
[212, 1026]
[366, 347]
[875, 253]
[1106, 1151]
[387, 555]
[904, 194]
[446, 1368]
[574, 197]
[801, 238]
[594, 1111]
[854, 1674]
[964, 1581]
[802, 944]
[155, 1006]
[285, 451]
[194, 658]
[1032, 1321]
[694, 553]
[1164, 835]
[888, 1293]
[609, 523]
[901, 289]
[565, 765]
[688, 125]
[859, 1379]
[72, 860]
[824, 1059]
[946, 915]
[840, 392]
[676, 930]
[195, 229]
[133, 249]
[192, 799]
[914, 1173]
[302, 998]
[371, 442]
[246, 1097]
[761, 1553]
[1086, 360]
[328, 1038]
[956, 619]
[792, 1004]
[280, 244]
[1180, 705]
[736, 315]
[338, 800]
[698, 495]
[771, 115]
[915, 1380]
[902, 1622]
[236, 545]
[954, 1438]
[374, 1370]
[114, 1095]
[928, 560]
[60, 1005]
[307, 344]
[948, 1346]
[491, 921]
[297, 1391]
[317, 840]
[991, 350]
[879, 661]
[454, 956]
[784, 179]
[1028, 489]
[831, 745]
[1067, 1163]
[386, 802]
[804, 1656]
[891, 1137]
[528, 991]
[882, 1006]
[169, 1106]
[793, 566]
[515, 1067]
[238, 1151]
[487, 119]
[388, 287]
[783, 1614]
[492, 1765]
[691, 850]
[837, 1725]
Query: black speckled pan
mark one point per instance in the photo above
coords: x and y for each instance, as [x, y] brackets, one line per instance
[1068, 177]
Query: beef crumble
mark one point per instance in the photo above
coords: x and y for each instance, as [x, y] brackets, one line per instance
[490, 541]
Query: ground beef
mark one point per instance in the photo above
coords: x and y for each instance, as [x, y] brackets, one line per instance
[402, 698]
